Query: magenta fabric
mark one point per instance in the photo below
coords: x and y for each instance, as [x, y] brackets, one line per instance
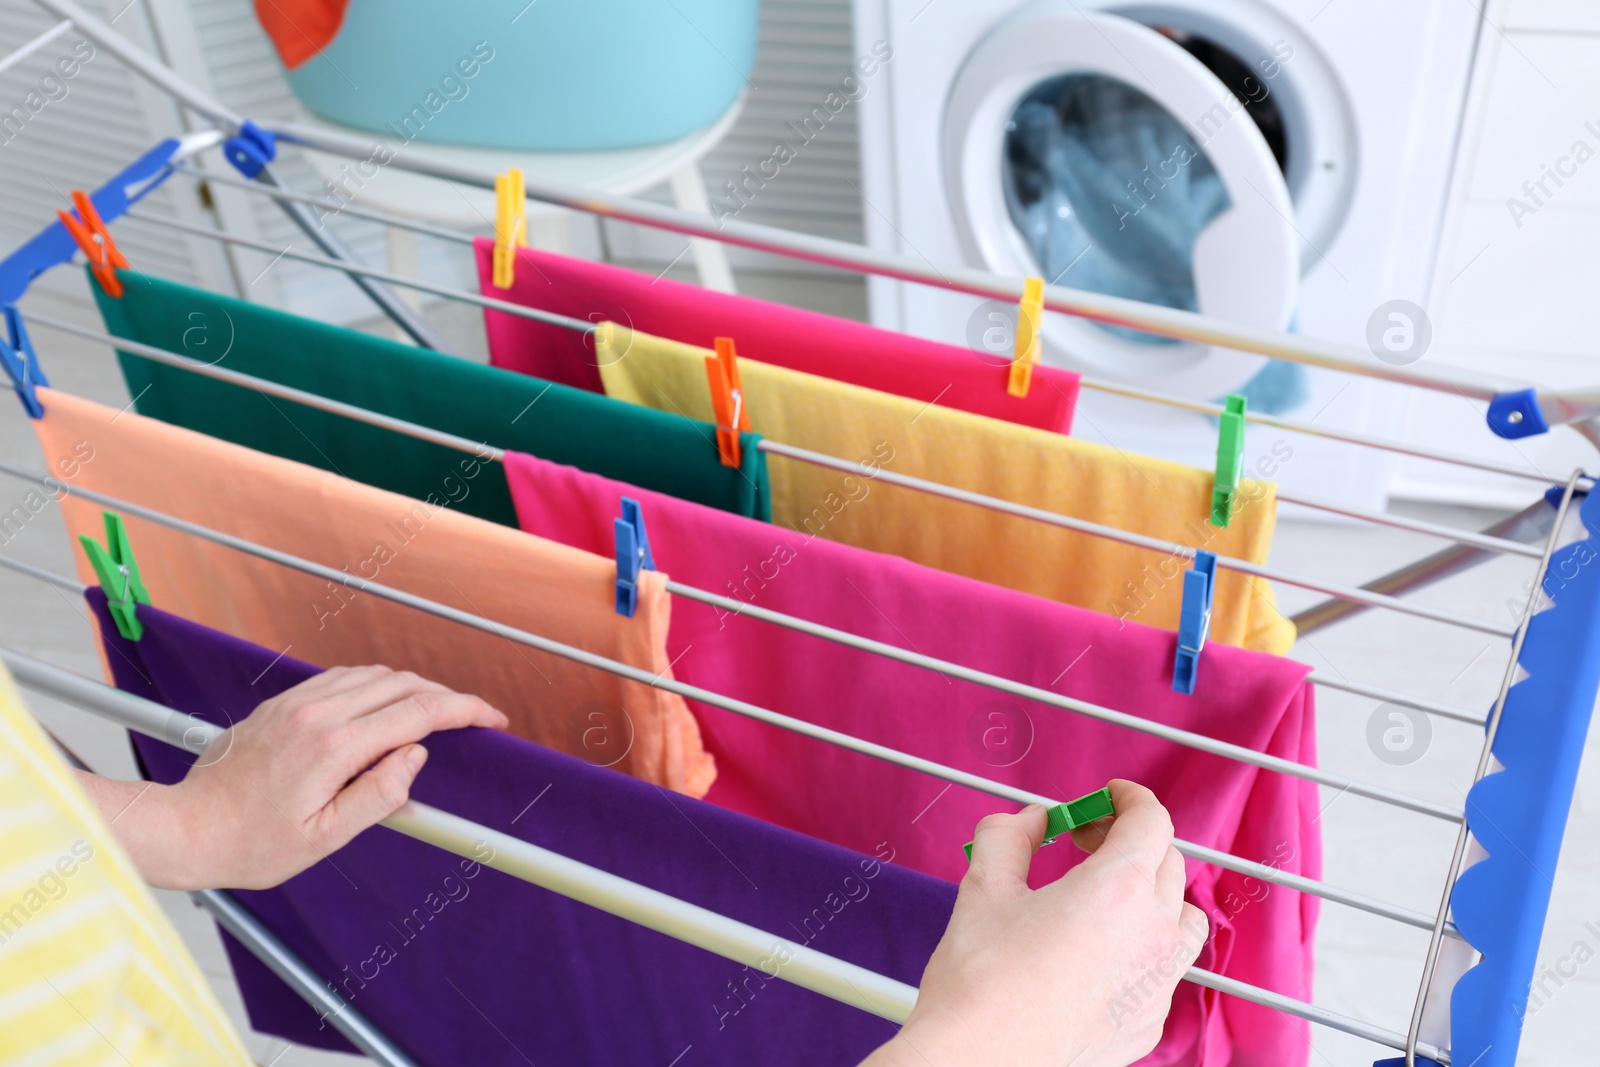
[1262, 934]
[806, 341]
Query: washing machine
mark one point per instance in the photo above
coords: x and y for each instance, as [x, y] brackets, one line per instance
[1275, 163]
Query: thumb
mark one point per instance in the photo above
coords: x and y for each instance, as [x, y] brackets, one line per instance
[373, 796]
[1003, 848]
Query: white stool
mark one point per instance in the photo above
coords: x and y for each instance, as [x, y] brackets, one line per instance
[623, 172]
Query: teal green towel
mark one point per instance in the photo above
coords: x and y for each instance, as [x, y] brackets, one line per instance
[661, 451]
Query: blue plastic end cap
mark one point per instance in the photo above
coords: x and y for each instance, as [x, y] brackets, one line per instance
[1555, 493]
[1514, 415]
[250, 149]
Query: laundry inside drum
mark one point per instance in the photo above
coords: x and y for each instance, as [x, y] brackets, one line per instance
[1110, 192]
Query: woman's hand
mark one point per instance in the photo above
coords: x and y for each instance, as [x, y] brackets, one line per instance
[1080, 972]
[306, 772]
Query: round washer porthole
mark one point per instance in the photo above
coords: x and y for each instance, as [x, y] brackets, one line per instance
[1287, 180]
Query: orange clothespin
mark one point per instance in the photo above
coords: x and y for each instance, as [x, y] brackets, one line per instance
[727, 400]
[510, 224]
[1030, 316]
[95, 241]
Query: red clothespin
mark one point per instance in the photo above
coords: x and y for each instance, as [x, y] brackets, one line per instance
[727, 400]
[95, 241]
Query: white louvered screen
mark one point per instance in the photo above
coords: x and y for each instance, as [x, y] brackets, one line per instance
[110, 116]
[65, 133]
[805, 48]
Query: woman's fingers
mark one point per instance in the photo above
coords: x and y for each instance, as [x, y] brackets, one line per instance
[1003, 848]
[1140, 832]
[1170, 880]
[410, 718]
[373, 796]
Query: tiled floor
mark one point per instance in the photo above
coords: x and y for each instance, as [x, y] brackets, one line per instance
[1366, 967]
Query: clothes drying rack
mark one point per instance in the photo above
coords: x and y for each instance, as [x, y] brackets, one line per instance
[1526, 769]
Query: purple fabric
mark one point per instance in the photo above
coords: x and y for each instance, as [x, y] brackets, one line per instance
[460, 964]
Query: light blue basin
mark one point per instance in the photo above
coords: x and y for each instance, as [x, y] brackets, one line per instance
[552, 75]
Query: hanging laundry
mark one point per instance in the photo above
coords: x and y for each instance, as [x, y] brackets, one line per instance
[1261, 935]
[846, 351]
[658, 451]
[1088, 481]
[299, 29]
[465, 563]
[77, 915]
[429, 945]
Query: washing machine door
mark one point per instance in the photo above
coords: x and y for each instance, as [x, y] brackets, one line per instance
[1093, 150]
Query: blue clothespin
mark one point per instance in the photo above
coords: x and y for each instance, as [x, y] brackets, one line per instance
[1194, 621]
[20, 363]
[633, 553]
[250, 149]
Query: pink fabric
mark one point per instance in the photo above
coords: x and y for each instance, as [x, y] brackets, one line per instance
[1262, 934]
[806, 341]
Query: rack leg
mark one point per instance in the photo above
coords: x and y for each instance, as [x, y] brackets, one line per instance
[391, 305]
[710, 257]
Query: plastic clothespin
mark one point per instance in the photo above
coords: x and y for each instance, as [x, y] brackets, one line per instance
[21, 364]
[1230, 460]
[1194, 620]
[510, 224]
[727, 400]
[633, 555]
[119, 577]
[1064, 818]
[250, 149]
[1030, 318]
[95, 241]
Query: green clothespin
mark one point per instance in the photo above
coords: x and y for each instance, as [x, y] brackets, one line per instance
[1230, 460]
[1064, 818]
[119, 577]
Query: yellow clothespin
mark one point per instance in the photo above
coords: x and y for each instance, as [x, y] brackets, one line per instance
[1030, 316]
[510, 224]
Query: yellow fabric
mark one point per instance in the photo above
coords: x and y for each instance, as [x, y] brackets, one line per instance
[1015, 463]
[91, 971]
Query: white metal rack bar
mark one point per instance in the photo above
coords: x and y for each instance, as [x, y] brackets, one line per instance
[832, 977]
[1259, 870]
[1227, 861]
[1086, 381]
[1166, 322]
[1485, 756]
[486, 451]
[1382, 518]
[54, 32]
[842, 981]
[1573, 406]
[483, 450]
[245, 927]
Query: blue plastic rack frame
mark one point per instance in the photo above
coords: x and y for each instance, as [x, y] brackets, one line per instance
[1519, 813]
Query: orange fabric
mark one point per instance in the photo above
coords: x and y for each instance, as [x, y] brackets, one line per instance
[300, 28]
[494, 571]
